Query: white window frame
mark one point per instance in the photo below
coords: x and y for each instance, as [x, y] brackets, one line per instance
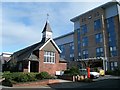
[49, 57]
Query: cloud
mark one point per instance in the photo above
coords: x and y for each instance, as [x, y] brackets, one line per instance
[22, 22]
[53, 0]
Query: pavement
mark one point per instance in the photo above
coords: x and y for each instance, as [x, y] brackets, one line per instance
[107, 77]
[106, 81]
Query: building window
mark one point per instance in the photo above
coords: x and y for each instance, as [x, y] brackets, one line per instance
[110, 23]
[85, 54]
[115, 64]
[49, 57]
[112, 67]
[99, 52]
[112, 36]
[78, 41]
[79, 55]
[85, 41]
[99, 38]
[97, 24]
[113, 51]
[98, 14]
[71, 50]
[72, 46]
[84, 29]
[90, 17]
[78, 34]
[62, 48]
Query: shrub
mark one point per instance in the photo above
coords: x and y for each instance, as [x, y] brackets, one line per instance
[31, 76]
[87, 80]
[1, 75]
[7, 82]
[67, 71]
[8, 76]
[12, 78]
[116, 72]
[72, 71]
[43, 75]
[109, 72]
[20, 76]
[96, 69]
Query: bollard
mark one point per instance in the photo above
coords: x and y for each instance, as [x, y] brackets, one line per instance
[88, 72]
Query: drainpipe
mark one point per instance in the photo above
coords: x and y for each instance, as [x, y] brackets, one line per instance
[105, 60]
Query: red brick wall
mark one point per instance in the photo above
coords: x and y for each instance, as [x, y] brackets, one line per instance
[61, 66]
[49, 67]
[37, 83]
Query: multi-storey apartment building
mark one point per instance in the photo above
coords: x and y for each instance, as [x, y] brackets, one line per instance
[66, 44]
[96, 36]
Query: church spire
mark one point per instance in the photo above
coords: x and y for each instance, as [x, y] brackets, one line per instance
[47, 27]
[47, 32]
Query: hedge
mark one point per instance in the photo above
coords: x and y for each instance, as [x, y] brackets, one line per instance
[115, 72]
[43, 75]
[17, 77]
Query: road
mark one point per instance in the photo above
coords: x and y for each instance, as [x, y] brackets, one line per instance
[102, 82]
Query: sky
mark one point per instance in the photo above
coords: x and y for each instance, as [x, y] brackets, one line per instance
[22, 21]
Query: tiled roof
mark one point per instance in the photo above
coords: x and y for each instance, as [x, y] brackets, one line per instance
[26, 53]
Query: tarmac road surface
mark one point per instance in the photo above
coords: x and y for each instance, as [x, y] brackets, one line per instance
[107, 81]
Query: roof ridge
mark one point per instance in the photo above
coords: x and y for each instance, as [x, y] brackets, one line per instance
[24, 49]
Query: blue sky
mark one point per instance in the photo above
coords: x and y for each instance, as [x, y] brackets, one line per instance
[22, 22]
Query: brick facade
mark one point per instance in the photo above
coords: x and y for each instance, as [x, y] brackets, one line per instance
[41, 66]
[51, 68]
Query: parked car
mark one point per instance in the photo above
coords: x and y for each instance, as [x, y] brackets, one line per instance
[94, 74]
[83, 72]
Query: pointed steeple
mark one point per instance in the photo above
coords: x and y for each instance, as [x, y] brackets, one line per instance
[47, 27]
[47, 32]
